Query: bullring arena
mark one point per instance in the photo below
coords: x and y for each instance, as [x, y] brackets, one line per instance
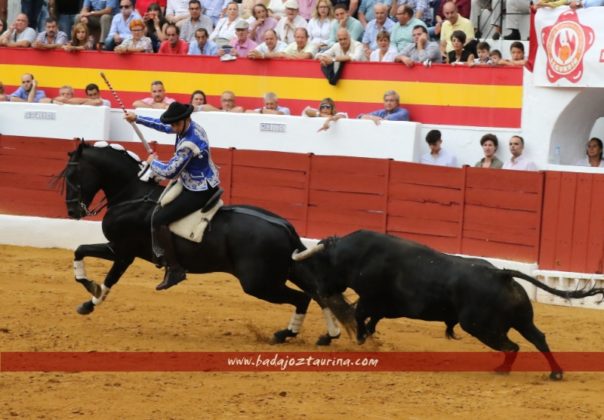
[325, 183]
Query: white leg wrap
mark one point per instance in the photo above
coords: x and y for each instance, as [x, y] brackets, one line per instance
[295, 323]
[104, 292]
[332, 323]
[79, 270]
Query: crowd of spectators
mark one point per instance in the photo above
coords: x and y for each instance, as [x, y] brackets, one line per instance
[407, 31]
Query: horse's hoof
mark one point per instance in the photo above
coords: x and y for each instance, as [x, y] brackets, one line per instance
[325, 339]
[86, 308]
[281, 336]
[556, 376]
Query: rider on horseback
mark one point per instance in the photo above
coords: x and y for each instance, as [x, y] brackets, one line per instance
[195, 170]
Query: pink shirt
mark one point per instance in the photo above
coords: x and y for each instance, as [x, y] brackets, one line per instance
[305, 8]
[243, 49]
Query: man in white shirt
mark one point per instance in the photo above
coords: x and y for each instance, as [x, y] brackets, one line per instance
[346, 49]
[517, 161]
[437, 155]
[270, 48]
[288, 24]
[18, 34]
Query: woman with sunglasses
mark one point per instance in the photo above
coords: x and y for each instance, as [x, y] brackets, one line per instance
[327, 110]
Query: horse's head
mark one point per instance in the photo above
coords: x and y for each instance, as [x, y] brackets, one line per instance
[106, 167]
[82, 182]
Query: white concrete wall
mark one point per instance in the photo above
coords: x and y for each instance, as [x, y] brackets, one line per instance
[54, 121]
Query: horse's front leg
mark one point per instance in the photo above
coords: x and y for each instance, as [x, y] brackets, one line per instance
[98, 292]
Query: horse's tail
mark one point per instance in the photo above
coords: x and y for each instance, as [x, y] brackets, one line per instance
[344, 312]
[566, 294]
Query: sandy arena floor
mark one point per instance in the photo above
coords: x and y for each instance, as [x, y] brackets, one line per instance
[38, 297]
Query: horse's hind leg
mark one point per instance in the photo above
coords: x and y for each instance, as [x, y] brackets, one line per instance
[99, 293]
[281, 294]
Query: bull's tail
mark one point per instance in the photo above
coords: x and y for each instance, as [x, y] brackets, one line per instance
[566, 294]
[343, 311]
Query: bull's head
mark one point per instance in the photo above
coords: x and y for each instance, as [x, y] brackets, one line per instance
[319, 263]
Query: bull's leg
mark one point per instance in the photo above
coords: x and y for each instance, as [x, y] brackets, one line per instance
[280, 294]
[500, 341]
[361, 316]
[99, 292]
[535, 336]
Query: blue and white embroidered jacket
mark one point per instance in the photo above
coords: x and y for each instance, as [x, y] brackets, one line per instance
[192, 150]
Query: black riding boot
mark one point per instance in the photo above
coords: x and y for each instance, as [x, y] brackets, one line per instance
[174, 272]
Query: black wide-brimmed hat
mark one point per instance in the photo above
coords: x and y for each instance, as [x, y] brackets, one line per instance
[176, 112]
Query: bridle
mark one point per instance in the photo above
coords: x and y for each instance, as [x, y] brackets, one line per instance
[78, 188]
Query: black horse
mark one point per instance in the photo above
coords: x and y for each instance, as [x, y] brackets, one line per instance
[250, 243]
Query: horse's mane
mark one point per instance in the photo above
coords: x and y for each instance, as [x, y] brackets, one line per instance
[58, 181]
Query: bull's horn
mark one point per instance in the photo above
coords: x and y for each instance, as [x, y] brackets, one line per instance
[299, 256]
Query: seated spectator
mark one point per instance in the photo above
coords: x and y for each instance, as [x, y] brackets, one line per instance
[158, 98]
[402, 33]
[271, 106]
[327, 109]
[138, 42]
[422, 50]
[224, 31]
[380, 24]
[593, 153]
[332, 60]
[437, 155]
[177, 11]
[155, 23]
[262, 23]
[65, 93]
[422, 9]
[517, 161]
[227, 102]
[241, 44]
[18, 34]
[489, 145]
[459, 54]
[28, 91]
[51, 38]
[173, 44]
[301, 48]
[483, 49]
[199, 102]
[392, 110]
[516, 54]
[287, 25]
[319, 26]
[80, 38]
[344, 20]
[202, 44]
[98, 14]
[120, 25]
[194, 22]
[454, 22]
[270, 48]
[385, 52]
[495, 57]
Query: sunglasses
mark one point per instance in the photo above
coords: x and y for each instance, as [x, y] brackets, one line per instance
[125, 6]
[325, 106]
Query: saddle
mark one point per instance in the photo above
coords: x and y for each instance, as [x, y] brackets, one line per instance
[193, 226]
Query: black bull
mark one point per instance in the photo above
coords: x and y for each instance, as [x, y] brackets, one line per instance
[394, 277]
[250, 243]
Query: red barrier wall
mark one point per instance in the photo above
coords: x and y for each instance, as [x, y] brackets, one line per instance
[550, 217]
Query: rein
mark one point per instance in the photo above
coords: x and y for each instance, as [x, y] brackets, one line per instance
[104, 202]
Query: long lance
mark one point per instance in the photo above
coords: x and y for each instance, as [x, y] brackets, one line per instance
[134, 126]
